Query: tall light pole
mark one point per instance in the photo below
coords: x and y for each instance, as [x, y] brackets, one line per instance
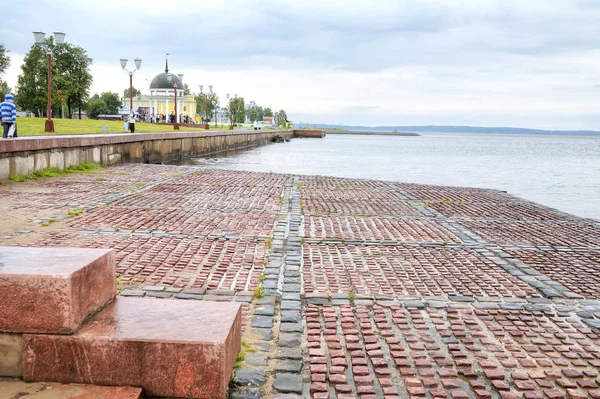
[40, 39]
[170, 79]
[138, 65]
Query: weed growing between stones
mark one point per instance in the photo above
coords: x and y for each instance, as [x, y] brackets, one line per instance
[72, 212]
[269, 242]
[54, 172]
[261, 277]
[101, 179]
[48, 222]
[259, 292]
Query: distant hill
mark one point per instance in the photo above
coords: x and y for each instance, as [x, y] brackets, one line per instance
[454, 129]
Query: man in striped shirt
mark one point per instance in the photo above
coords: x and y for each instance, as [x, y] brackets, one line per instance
[9, 114]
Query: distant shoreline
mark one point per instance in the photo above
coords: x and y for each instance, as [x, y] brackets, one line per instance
[370, 133]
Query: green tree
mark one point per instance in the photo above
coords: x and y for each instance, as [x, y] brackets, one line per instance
[33, 82]
[4, 59]
[112, 102]
[71, 78]
[96, 106]
[213, 104]
[281, 118]
[238, 110]
[136, 92]
[4, 64]
[255, 114]
[74, 78]
[268, 112]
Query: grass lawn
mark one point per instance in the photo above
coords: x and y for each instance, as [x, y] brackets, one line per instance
[35, 127]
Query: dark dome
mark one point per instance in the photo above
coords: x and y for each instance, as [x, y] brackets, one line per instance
[160, 81]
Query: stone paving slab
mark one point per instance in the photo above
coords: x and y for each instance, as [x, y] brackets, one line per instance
[491, 210]
[518, 232]
[579, 271]
[376, 228]
[406, 270]
[178, 261]
[440, 353]
[197, 222]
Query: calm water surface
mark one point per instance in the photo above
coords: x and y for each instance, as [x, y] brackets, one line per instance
[559, 171]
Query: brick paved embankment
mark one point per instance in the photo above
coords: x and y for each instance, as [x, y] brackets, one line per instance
[371, 289]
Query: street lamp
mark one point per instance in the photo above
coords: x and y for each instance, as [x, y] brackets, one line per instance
[138, 65]
[230, 118]
[170, 79]
[40, 39]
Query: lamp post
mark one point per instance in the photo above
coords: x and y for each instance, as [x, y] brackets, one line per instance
[138, 65]
[170, 79]
[40, 39]
[230, 118]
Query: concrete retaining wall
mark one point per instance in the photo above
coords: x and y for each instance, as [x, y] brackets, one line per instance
[29, 154]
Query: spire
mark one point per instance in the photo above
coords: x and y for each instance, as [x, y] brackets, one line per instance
[167, 64]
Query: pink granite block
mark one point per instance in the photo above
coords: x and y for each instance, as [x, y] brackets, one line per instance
[168, 348]
[52, 290]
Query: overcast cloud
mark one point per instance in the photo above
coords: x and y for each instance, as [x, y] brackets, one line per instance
[524, 63]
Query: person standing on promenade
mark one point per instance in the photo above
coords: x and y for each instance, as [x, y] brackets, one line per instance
[8, 111]
[132, 122]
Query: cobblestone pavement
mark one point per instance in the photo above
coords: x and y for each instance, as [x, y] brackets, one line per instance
[350, 288]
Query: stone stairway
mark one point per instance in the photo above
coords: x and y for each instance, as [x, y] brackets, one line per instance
[60, 322]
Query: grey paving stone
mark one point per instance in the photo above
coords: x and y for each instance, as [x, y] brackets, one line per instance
[262, 322]
[265, 333]
[138, 293]
[266, 300]
[461, 298]
[289, 340]
[159, 294]
[418, 305]
[250, 377]
[291, 316]
[256, 359]
[189, 296]
[290, 353]
[265, 310]
[291, 305]
[291, 287]
[291, 327]
[318, 301]
[539, 300]
[173, 290]
[194, 291]
[246, 393]
[221, 292]
[290, 296]
[289, 366]
[511, 306]
[288, 383]
[155, 288]
[270, 284]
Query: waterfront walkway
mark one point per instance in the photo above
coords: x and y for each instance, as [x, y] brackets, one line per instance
[351, 288]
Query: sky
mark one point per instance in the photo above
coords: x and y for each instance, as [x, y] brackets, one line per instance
[519, 63]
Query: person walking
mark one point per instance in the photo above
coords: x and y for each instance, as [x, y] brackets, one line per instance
[132, 122]
[8, 110]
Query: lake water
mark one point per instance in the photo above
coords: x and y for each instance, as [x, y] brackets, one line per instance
[559, 171]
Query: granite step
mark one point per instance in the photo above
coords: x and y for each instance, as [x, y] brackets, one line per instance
[41, 390]
[53, 290]
[169, 348]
